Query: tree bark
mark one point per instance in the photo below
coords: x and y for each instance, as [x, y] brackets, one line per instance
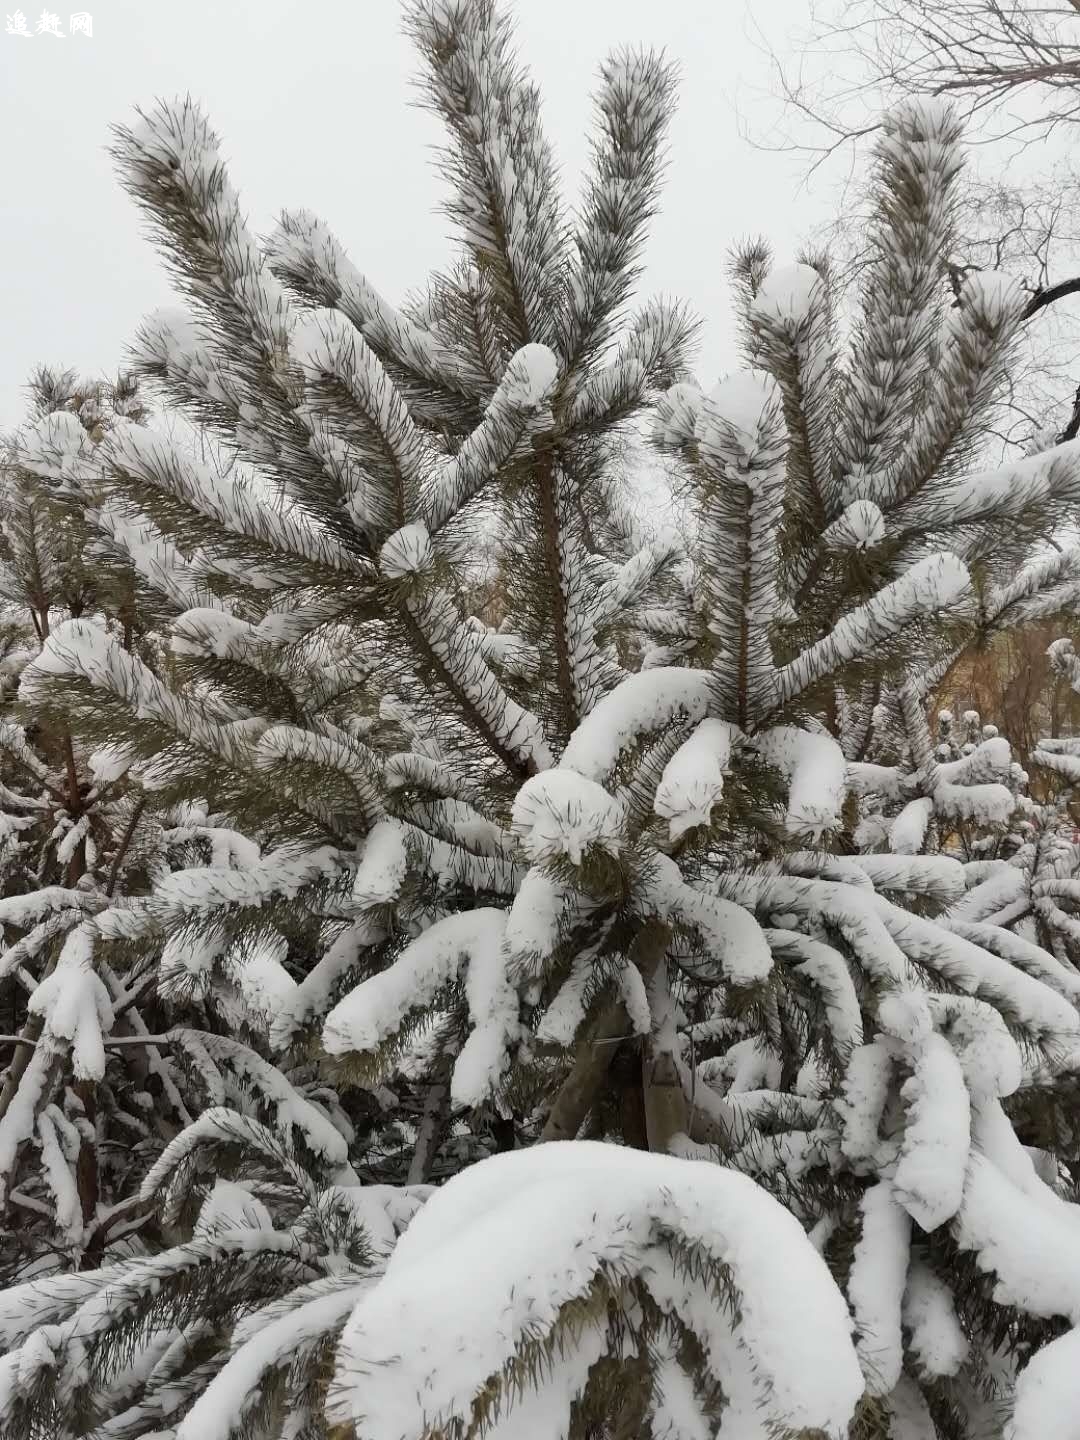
[667, 1113]
[666, 1110]
[592, 1060]
[432, 1126]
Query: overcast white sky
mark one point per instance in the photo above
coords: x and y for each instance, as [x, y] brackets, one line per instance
[313, 104]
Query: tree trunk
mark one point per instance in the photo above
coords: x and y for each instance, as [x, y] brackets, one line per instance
[592, 1060]
[666, 1110]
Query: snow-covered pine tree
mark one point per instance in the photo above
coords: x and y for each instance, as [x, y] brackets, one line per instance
[920, 797]
[575, 900]
[74, 836]
[90, 1095]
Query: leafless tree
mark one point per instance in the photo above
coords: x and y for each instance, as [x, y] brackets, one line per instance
[1013, 66]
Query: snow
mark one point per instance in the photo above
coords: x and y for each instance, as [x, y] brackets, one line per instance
[60, 1178]
[732, 937]
[816, 769]
[230, 1206]
[189, 956]
[988, 1054]
[303, 247]
[1032, 959]
[996, 886]
[930, 585]
[904, 1015]
[566, 1011]
[209, 1077]
[868, 779]
[407, 552]
[929, 1177]
[1036, 1263]
[876, 1286]
[639, 705]
[979, 972]
[989, 757]
[220, 1408]
[734, 413]
[266, 985]
[938, 876]
[17, 1122]
[909, 1414]
[443, 1320]
[202, 631]
[377, 1007]
[458, 648]
[826, 969]
[996, 293]
[75, 1004]
[541, 909]
[383, 865]
[270, 1084]
[311, 996]
[676, 415]
[281, 873]
[542, 1411]
[861, 526]
[493, 1011]
[109, 763]
[907, 833]
[986, 804]
[937, 1340]
[788, 293]
[560, 813]
[1015, 487]
[635, 998]
[1045, 1403]
[153, 458]
[862, 1104]
[530, 377]
[59, 448]
[25, 910]
[675, 1412]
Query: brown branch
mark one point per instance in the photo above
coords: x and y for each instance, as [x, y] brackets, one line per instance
[518, 768]
[1004, 79]
[1050, 294]
[114, 872]
[1072, 429]
[430, 1133]
[549, 524]
[87, 1178]
[152, 1040]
